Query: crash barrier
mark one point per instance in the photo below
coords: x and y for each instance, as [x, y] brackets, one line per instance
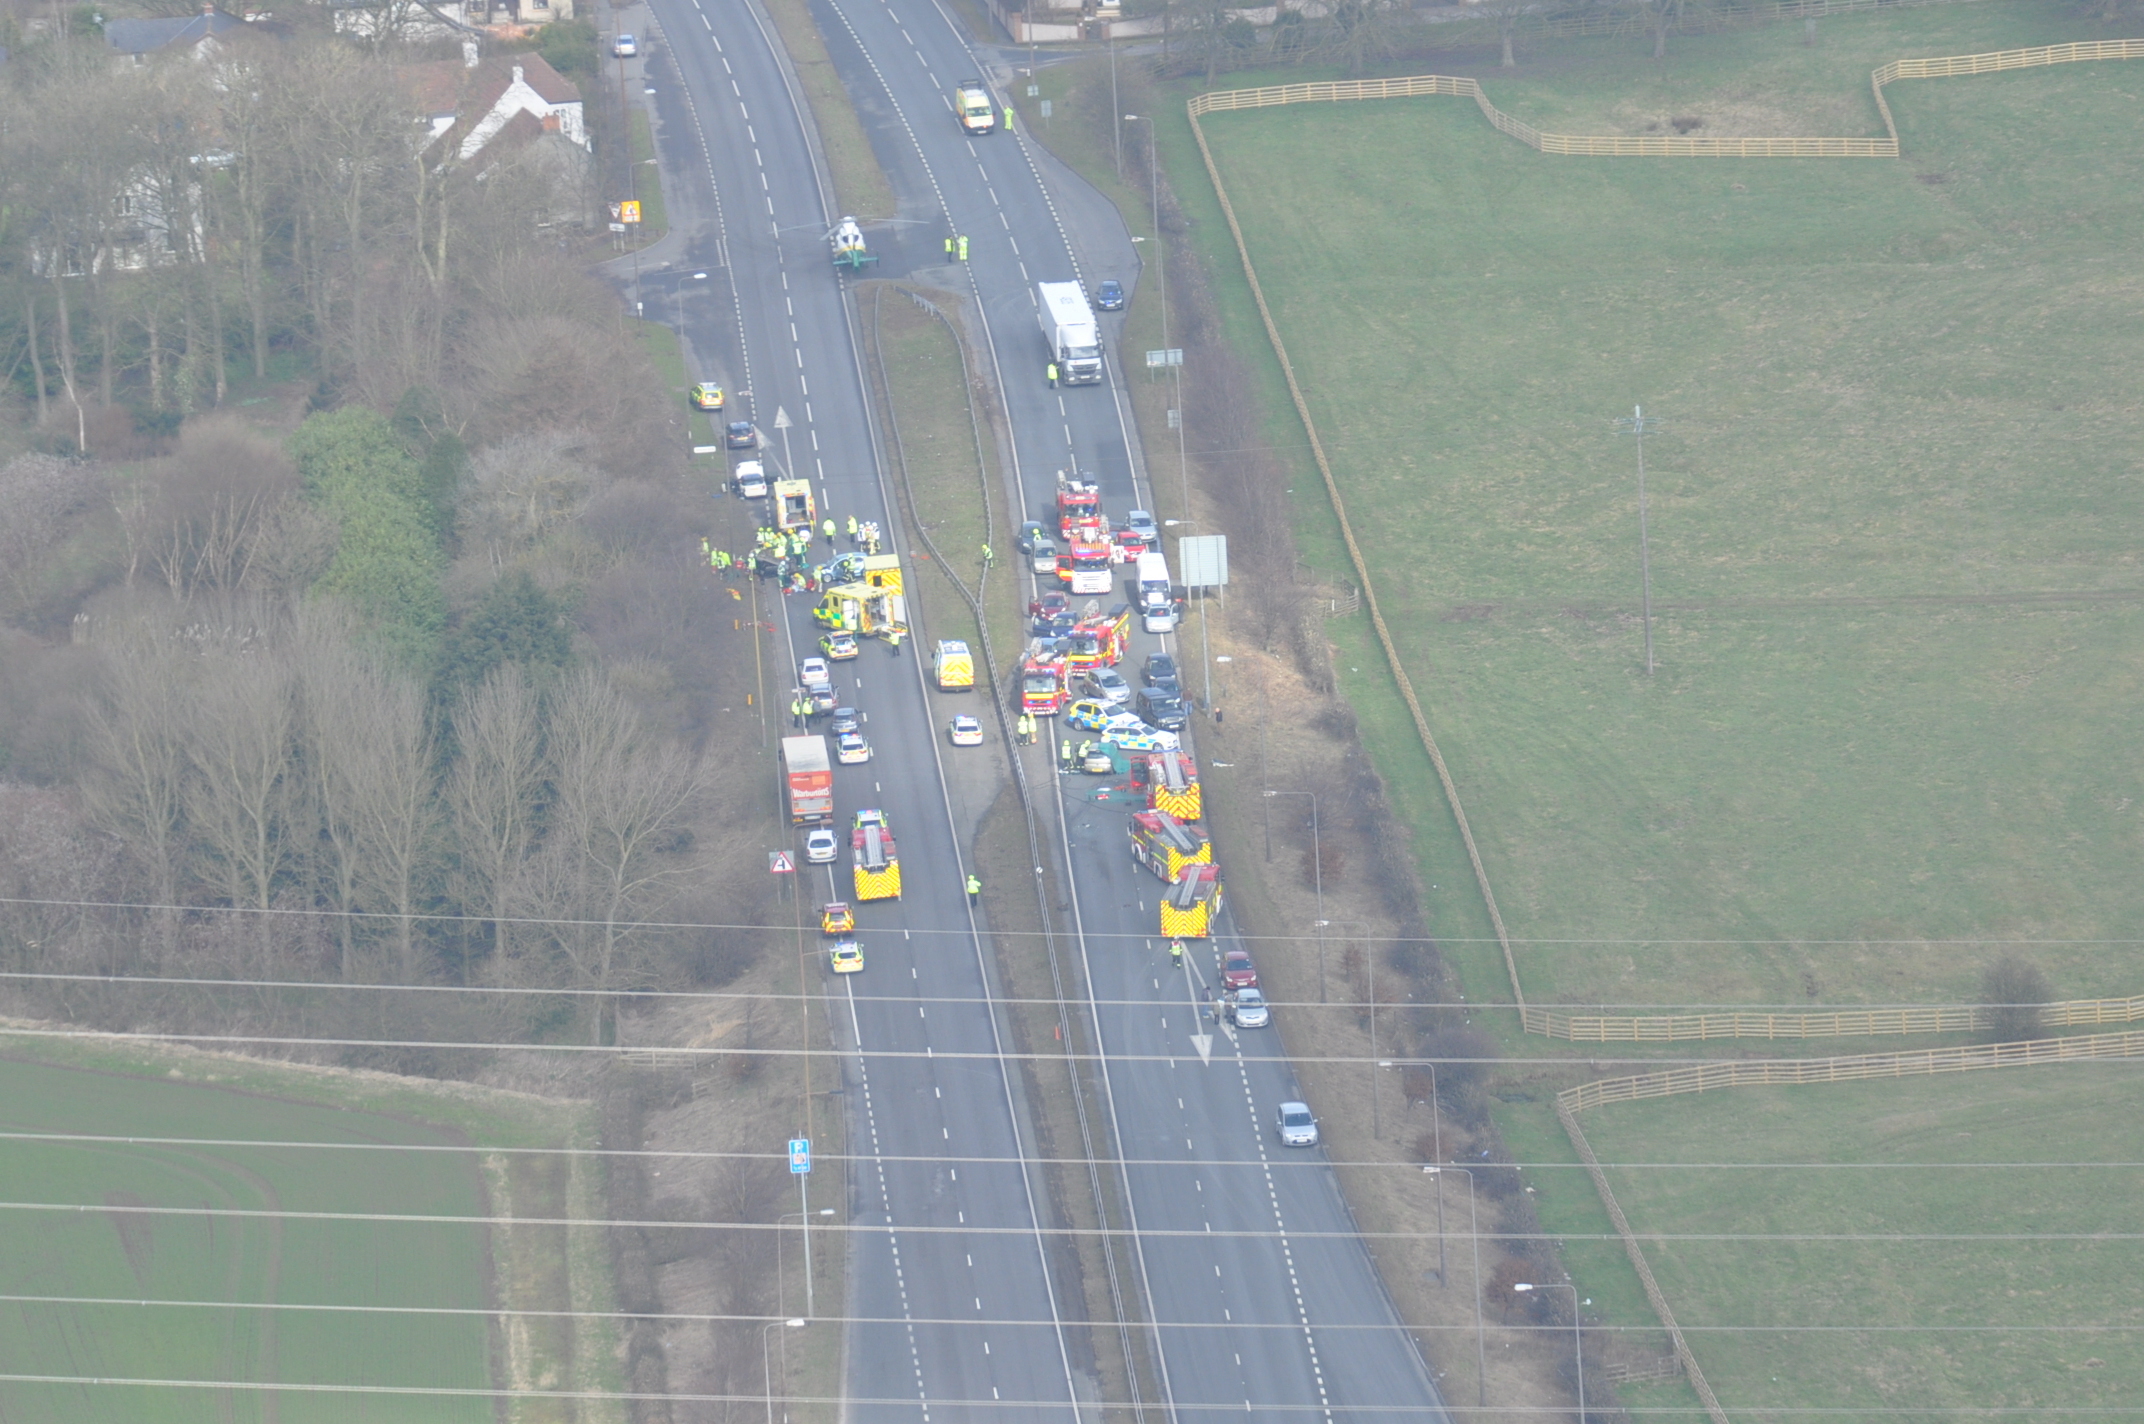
[1668, 145]
[1776, 1072]
[1836, 1023]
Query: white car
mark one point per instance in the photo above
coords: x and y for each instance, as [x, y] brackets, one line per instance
[625, 47]
[821, 845]
[1298, 1128]
[850, 749]
[966, 731]
[1136, 736]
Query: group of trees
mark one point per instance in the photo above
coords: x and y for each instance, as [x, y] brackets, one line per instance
[266, 732]
[414, 690]
[275, 763]
[167, 226]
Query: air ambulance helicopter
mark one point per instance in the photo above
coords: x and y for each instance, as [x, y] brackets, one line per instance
[847, 240]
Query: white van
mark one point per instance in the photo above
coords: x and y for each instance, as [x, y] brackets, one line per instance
[1157, 605]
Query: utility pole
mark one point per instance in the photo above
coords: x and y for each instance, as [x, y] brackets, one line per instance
[1636, 424]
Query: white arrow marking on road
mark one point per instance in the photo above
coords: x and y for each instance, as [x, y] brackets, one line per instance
[1203, 1042]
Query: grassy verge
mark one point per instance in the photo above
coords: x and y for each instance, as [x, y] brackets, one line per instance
[185, 1095]
[955, 499]
[647, 183]
[860, 185]
[1925, 1306]
[661, 344]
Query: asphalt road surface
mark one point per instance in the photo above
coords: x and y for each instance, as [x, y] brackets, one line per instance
[1263, 1324]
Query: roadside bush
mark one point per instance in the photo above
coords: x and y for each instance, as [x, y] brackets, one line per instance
[387, 564]
[2012, 991]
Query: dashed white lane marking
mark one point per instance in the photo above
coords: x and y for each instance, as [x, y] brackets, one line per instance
[893, 1237]
[1280, 1226]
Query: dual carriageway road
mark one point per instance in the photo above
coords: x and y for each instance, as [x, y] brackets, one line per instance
[954, 1310]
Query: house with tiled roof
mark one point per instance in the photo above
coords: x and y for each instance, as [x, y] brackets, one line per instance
[135, 40]
[467, 107]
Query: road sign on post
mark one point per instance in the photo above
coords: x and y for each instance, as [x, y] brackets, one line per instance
[1169, 356]
[1203, 560]
[781, 862]
[800, 1155]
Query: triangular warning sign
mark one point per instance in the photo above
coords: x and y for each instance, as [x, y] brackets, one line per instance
[781, 863]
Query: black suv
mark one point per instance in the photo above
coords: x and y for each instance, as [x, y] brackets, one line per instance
[1162, 707]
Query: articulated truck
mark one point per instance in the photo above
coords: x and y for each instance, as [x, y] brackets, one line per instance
[1069, 330]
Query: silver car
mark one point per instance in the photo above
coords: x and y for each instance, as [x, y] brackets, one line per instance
[1108, 686]
[1297, 1127]
[1247, 1009]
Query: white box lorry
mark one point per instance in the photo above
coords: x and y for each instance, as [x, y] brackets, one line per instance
[1157, 604]
[1069, 329]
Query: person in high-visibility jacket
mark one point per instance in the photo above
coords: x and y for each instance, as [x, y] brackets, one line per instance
[828, 530]
[852, 529]
[975, 887]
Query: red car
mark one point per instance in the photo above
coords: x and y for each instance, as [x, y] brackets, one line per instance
[1050, 605]
[1237, 971]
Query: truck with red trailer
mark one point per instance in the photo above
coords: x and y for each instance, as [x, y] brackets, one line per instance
[811, 780]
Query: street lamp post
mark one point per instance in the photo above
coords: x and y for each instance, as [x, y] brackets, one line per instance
[766, 1366]
[1578, 1343]
[1481, 1350]
[677, 300]
[778, 1281]
[1317, 869]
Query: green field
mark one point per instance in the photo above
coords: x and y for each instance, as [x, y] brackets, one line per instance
[119, 1255]
[1902, 1325]
[1899, 623]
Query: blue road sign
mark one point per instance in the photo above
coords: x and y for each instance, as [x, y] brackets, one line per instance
[800, 1154]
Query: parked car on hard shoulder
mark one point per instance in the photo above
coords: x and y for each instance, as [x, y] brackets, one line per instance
[742, 435]
[966, 731]
[820, 845]
[1237, 970]
[1109, 296]
[625, 47]
[1298, 1127]
[1247, 1008]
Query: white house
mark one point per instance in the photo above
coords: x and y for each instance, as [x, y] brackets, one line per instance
[466, 106]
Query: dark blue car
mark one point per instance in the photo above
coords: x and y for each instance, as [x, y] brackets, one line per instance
[1110, 295]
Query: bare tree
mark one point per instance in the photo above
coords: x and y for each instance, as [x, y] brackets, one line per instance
[1507, 14]
[330, 686]
[198, 517]
[1359, 31]
[135, 784]
[492, 796]
[621, 800]
[241, 787]
[396, 803]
